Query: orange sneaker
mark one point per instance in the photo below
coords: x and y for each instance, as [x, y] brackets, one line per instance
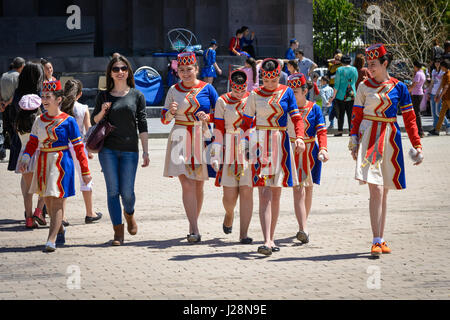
[385, 248]
[376, 249]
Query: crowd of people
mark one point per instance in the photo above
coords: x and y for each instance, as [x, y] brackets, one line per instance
[270, 135]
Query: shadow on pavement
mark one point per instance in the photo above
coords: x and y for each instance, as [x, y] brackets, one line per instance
[22, 249]
[239, 255]
[331, 257]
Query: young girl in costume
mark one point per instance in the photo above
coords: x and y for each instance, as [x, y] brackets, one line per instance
[309, 163]
[271, 154]
[375, 138]
[234, 174]
[53, 176]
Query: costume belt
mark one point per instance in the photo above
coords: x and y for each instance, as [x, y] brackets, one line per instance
[184, 123]
[271, 128]
[309, 140]
[55, 149]
[379, 119]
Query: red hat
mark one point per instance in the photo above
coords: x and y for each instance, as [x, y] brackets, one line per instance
[296, 80]
[271, 74]
[376, 51]
[234, 85]
[186, 59]
[52, 86]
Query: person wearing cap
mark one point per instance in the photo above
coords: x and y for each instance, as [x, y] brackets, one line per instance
[53, 176]
[210, 65]
[308, 164]
[290, 52]
[344, 92]
[8, 85]
[229, 156]
[30, 108]
[191, 103]
[376, 140]
[271, 152]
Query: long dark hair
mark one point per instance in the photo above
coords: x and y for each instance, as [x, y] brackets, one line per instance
[109, 79]
[25, 120]
[252, 63]
[30, 79]
[71, 91]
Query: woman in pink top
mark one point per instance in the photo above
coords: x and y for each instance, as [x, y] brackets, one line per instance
[251, 69]
[416, 91]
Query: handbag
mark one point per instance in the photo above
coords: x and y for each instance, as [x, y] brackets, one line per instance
[96, 135]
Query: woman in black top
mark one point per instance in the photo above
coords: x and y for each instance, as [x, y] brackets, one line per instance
[124, 108]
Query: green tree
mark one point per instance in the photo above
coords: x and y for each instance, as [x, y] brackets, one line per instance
[335, 26]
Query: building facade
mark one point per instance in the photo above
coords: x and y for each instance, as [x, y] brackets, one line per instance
[87, 28]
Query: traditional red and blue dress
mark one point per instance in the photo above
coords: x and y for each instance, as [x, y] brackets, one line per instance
[271, 156]
[186, 147]
[308, 166]
[374, 125]
[228, 117]
[54, 169]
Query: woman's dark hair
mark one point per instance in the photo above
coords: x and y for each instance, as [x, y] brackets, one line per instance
[445, 63]
[244, 28]
[326, 79]
[252, 63]
[109, 79]
[238, 31]
[294, 64]
[309, 85]
[387, 57]
[71, 91]
[270, 65]
[299, 51]
[44, 61]
[239, 77]
[359, 61]
[30, 79]
[25, 120]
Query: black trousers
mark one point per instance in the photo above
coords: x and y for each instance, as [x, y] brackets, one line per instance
[342, 108]
[416, 100]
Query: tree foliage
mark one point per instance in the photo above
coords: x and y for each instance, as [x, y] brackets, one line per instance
[335, 25]
[409, 27]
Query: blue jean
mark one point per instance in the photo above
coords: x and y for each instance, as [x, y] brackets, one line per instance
[435, 110]
[332, 112]
[119, 169]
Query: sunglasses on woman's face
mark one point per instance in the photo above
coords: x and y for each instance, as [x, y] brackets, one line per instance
[117, 69]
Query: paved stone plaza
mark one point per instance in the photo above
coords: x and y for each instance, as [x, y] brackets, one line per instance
[158, 263]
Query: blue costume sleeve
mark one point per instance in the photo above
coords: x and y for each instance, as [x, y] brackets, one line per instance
[292, 103]
[213, 96]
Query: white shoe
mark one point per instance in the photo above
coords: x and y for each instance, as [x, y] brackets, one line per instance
[448, 131]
